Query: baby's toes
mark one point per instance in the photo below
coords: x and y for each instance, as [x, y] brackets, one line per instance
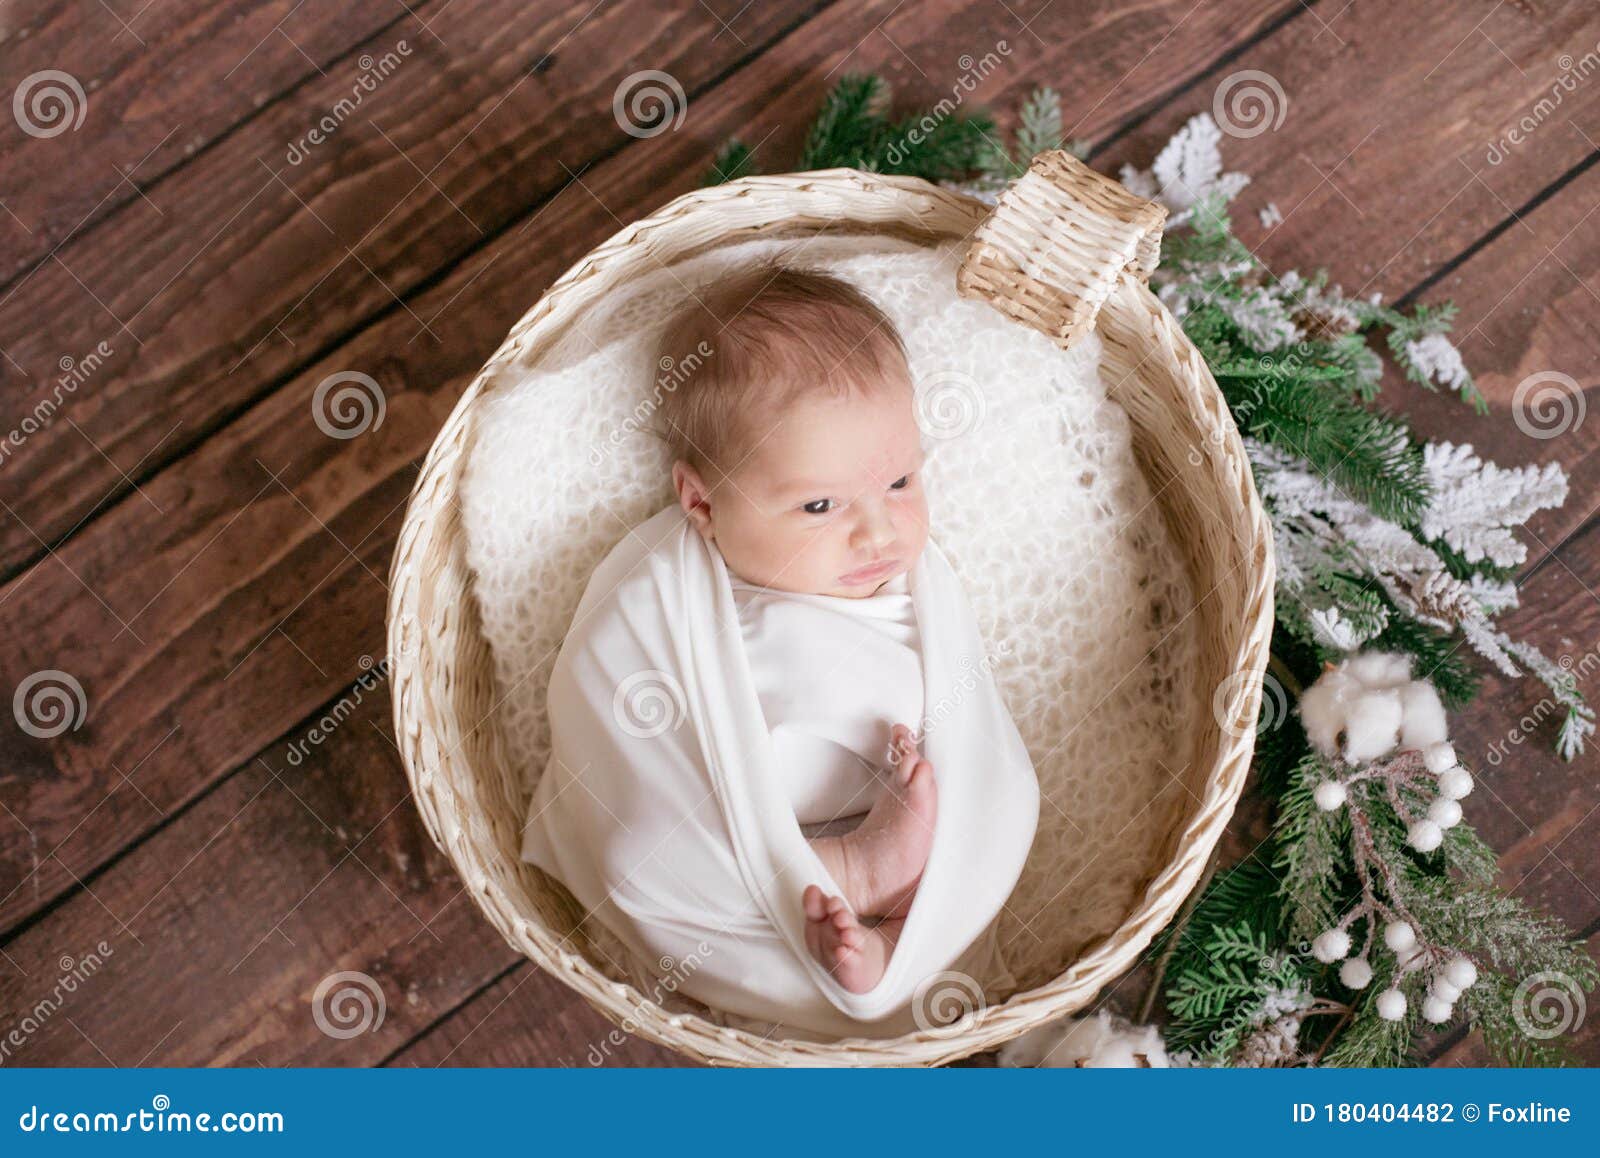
[814, 901]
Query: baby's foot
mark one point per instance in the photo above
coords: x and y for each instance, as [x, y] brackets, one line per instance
[855, 955]
[879, 864]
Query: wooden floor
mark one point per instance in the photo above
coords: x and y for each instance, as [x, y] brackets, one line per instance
[180, 270]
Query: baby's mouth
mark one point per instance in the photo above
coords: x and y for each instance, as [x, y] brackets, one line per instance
[868, 574]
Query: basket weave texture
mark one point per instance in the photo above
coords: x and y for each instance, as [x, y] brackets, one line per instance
[1065, 250]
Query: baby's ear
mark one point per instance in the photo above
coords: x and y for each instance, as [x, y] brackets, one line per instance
[693, 496]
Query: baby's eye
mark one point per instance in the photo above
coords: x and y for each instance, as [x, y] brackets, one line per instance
[815, 502]
[900, 483]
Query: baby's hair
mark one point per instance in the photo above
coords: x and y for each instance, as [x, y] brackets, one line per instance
[749, 345]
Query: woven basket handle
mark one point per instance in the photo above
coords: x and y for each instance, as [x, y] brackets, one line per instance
[1056, 245]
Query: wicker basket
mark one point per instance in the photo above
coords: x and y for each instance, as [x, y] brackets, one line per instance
[1065, 250]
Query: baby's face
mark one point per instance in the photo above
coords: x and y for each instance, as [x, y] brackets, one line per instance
[828, 503]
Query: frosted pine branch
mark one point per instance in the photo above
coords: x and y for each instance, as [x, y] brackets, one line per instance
[1186, 171]
[1476, 503]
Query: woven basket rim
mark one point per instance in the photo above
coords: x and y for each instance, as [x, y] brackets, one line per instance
[427, 766]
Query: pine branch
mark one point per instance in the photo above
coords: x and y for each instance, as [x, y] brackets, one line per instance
[849, 125]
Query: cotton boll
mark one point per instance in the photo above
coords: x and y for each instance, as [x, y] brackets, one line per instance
[1380, 669]
[1391, 1005]
[1461, 973]
[1356, 973]
[1455, 783]
[1425, 836]
[1439, 756]
[1372, 729]
[1097, 1042]
[1323, 707]
[1445, 813]
[1436, 1010]
[1330, 794]
[1371, 700]
[1441, 988]
[1398, 935]
[1331, 946]
[1424, 716]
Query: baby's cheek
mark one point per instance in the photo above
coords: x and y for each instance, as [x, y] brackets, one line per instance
[917, 520]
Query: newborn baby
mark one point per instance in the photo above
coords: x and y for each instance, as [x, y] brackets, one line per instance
[742, 781]
[798, 456]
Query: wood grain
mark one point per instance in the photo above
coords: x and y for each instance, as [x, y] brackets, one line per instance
[217, 610]
[150, 102]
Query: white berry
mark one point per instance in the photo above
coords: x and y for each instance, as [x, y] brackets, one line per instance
[1424, 836]
[1356, 973]
[1330, 794]
[1454, 783]
[1461, 973]
[1331, 946]
[1436, 1009]
[1441, 988]
[1398, 935]
[1391, 1005]
[1445, 813]
[1439, 756]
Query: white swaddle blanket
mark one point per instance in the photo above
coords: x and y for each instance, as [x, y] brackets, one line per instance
[672, 811]
[832, 674]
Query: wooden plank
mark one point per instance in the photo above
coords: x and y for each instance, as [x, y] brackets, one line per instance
[146, 100]
[252, 638]
[528, 1018]
[1379, 161]
[208, 946]
[148, 331]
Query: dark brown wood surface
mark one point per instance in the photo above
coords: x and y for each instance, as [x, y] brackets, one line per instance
[183, 540]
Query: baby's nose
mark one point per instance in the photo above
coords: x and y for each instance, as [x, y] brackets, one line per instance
[875, 531]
